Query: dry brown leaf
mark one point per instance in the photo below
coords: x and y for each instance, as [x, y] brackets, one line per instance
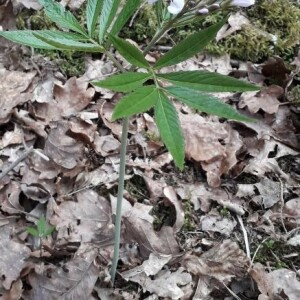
[276, 284]
[262, 162]
[267, 100]
[270, 192]
[139, 228]
[164, 284]
[64, 150]
[74, 280]
[69, 99]
[13, 257]
[15, 292]
[106, 145]
[86, 220]
[14, 87]
[214, 222]
[211, 143]
[222, 262]
[170, 194]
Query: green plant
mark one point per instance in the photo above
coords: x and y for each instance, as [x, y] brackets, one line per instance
[191, 88]
[41, 230]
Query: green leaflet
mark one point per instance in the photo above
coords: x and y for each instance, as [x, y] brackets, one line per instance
[63, 18]
[128, 10]
[190, 46]
[205, 103]
[62, 43]
[170, 131]
[26, 37]
[138, 101]
[123, 82]
[93, 10]
[32, 231]
[129, 52]
[207, 81]
[109, 10]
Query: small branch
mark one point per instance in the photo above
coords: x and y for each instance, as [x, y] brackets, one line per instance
[15, 163]
[245, 236]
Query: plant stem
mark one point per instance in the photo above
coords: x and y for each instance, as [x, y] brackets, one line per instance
[119, 199]
[118, 218]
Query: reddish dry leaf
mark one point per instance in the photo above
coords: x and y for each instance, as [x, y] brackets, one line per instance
[12, 259]
[69, 99]
[74, 280]
[86, 220]
[14, 87]
[64, 150]
[222, 262]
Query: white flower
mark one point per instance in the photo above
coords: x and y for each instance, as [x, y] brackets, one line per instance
[242, 3]
[176, 6]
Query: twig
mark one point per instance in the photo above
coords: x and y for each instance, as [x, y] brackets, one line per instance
[15, 163]
[281, 206]
[245, 236]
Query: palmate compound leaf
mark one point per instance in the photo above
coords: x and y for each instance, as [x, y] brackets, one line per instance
[93, 10]
[61, 42]
[205, 103]
[63, 18]
[123, 82]
[169, 128]
[207, 81]
[190, 46]
[129, 52]
[138, 101]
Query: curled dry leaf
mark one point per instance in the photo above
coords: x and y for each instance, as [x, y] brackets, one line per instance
[170, 194]
[74, 280]
[86, 220]
[13, 257]
[14, 90]
[222, 262]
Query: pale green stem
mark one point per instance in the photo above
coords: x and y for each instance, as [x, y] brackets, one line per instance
[123, 159]
[119, 199]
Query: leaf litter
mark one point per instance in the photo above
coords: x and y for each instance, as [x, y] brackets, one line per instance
[240, 178]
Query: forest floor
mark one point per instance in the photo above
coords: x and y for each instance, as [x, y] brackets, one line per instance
[226, 227]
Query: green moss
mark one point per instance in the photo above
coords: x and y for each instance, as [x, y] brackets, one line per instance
[143, 26]
[189, 223]
[274, 30]
[71, 63]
